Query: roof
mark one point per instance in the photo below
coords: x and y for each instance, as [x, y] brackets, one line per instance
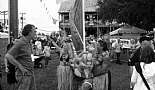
[128, 30]
[65, 6]
[90, 6]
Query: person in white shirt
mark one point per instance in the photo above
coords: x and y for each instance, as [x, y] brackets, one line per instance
[39, 47]
[117, 50]
[47, 53]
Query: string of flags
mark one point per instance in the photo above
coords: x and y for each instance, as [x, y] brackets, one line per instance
[47, 11]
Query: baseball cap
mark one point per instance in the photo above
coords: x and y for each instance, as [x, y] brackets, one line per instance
[147, 38]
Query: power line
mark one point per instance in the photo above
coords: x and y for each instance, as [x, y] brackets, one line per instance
[22, 19]
[4, 13]
[47, 11]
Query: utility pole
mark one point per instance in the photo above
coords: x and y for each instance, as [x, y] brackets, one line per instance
[13, 19]
[22, 19]
[4, 13]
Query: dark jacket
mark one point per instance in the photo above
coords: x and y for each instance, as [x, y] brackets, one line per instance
[135, 57]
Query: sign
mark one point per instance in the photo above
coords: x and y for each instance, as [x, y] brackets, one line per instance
[126, 43]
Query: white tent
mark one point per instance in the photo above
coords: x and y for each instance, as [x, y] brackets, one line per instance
[47, 30]
[127, 30]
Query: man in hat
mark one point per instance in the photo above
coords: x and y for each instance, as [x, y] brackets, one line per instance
[147, 41]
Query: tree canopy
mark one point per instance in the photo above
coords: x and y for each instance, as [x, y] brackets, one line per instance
[139, 13]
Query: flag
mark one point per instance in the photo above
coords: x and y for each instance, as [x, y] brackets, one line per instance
[54, 20]
[76, 25]
[59, 1]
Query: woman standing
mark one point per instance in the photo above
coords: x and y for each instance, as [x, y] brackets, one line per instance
[147, 67]
[64, 72]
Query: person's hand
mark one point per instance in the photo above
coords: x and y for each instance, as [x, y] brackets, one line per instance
[132, 84]
[6, 69]
[23, 70]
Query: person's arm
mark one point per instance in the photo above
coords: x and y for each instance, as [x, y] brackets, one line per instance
[54, 43]
[13, 61]
[6, 65]
[44, 50]
[134, 77]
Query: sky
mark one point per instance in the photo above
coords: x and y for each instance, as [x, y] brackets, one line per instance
[38, 13]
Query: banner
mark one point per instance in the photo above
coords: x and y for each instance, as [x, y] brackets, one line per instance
[76, 25]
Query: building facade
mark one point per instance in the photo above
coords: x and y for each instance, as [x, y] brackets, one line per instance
[93, 26]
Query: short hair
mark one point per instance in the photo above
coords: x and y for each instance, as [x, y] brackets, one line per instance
[27, 29]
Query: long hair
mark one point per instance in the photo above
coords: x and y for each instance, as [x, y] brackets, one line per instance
[147, 55]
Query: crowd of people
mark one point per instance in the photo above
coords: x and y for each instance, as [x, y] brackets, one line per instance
[84, 70]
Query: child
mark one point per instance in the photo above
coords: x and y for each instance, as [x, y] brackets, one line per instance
[47, 53]
[84, 64]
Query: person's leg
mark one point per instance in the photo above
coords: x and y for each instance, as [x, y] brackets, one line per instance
[118, 57]
[26, 83]
[123, 50]
[33, 83]
[46, 61]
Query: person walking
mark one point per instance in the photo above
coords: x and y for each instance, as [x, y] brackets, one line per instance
[47, 53]
[20, 56]
[117, 48]
[38, 44]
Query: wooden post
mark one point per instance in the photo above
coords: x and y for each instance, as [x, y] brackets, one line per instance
[13, 19]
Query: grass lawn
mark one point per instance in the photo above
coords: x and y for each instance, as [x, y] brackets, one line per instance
[46, 78]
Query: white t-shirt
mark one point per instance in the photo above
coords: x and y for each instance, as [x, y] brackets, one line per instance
[148, 71]
[38, 44]
[47, 51]
[117, 47]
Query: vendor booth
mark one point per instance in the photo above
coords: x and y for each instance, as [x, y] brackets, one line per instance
[128, 32]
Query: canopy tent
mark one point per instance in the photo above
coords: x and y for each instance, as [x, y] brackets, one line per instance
[127, 30]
